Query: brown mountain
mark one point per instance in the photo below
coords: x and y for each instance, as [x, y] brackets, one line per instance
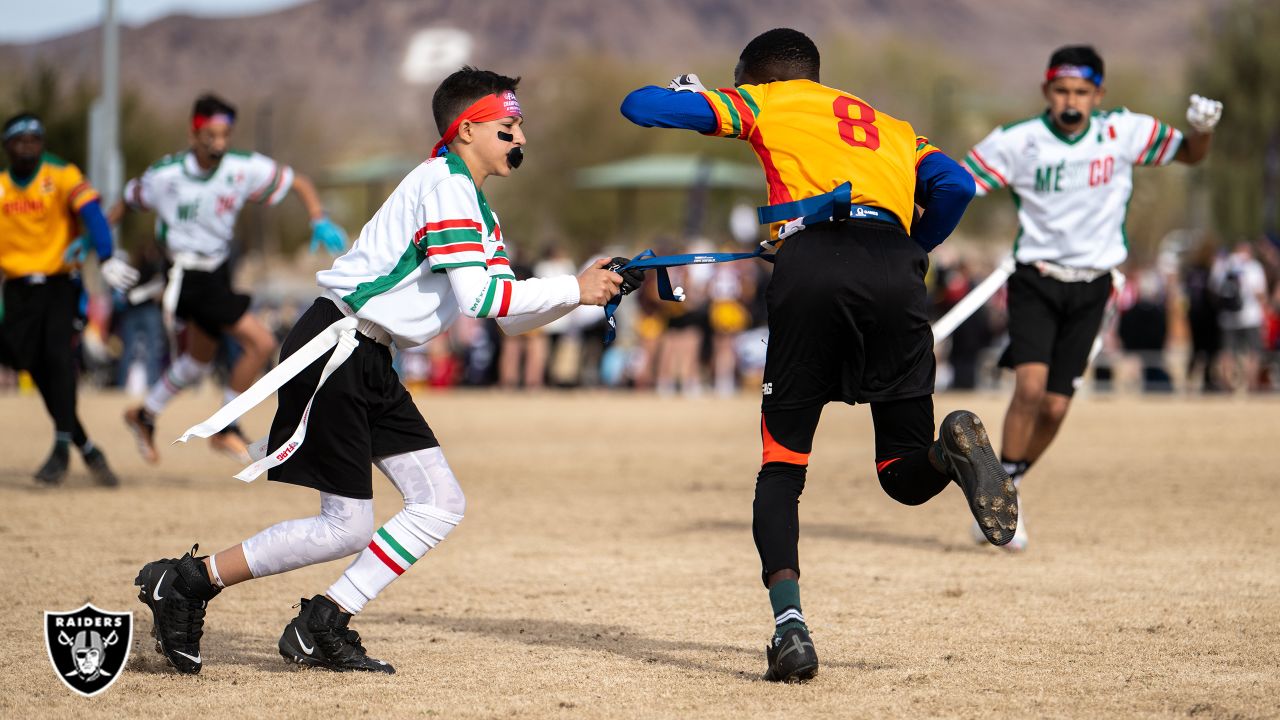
[344, 57]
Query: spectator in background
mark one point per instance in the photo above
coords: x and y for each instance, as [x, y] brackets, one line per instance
[1202, 318]
[1240, 285]
[1144, 326]
[140, 322]
[973, 335]
[730, 288]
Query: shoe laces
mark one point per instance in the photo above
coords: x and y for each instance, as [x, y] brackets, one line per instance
[185, 619]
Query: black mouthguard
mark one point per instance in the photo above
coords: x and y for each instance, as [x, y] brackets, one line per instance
[1071, 116]
[514, 157]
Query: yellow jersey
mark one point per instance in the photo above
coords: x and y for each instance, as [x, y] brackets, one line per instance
[38, 218]
[810, 138]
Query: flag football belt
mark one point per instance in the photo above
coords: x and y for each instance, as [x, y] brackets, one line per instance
[341, 337]
[832, 206]
[182, 262]
[1065, 274]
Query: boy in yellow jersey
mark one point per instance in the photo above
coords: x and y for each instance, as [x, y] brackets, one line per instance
[847, 308]
[43, 201]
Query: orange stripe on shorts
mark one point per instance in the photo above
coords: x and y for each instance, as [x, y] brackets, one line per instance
[775, 452]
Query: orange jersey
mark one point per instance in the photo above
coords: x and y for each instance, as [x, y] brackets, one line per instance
[810, 138]
[38, 218]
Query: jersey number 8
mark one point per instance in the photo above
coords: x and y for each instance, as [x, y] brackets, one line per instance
[865, 121]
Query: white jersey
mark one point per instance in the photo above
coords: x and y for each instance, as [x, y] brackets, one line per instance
[196, 210]
[1072, 193]
[434, 250]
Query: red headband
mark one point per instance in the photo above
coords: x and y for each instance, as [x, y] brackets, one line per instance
[199, 121]
[486, 109]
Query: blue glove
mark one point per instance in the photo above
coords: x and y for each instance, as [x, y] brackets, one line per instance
[325, 233]
[77, 251]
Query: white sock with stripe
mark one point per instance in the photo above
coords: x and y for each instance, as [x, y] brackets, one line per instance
[434, 505]
[395, 546]
[182, 374]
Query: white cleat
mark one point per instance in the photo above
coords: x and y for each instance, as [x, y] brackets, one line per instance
[1016, 545]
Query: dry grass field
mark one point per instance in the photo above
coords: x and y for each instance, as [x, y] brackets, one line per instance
[606, 570]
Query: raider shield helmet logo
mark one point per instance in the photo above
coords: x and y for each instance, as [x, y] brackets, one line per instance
[88, 647]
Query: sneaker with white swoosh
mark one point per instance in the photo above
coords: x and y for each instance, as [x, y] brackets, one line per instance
[319, 637]
[178, 592]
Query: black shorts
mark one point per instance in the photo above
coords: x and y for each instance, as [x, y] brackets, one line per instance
[206, 299]
[363, 412]
[848, 318]
[37, 316]
[1055, 323]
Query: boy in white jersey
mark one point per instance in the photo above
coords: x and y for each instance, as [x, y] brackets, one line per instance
[197, 196]
[434, 250]
[1070, 171]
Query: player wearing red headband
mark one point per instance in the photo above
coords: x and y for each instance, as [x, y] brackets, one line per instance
[197, 196]
[1070, 170]
[432, 252]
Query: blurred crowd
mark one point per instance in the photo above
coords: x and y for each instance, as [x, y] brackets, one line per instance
[1200, 319]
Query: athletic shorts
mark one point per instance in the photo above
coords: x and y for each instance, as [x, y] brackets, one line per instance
[848, 318]
[32, 311]
[206, 299]
[1242, 341]
[363, 412]
[1055, 323]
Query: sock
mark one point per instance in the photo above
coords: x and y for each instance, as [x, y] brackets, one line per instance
[1015, 468]
[785, 598]
[62, 443]
[185, 372]
[395, 547]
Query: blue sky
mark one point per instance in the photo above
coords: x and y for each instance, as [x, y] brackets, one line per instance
[27, 21]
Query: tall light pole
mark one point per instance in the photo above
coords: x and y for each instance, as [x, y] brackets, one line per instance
[106, 167]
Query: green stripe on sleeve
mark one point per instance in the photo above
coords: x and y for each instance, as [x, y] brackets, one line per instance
[751, 103]
[978, 170]
[488, 299]
[1150, 156]
[733, 113]
[453, 235]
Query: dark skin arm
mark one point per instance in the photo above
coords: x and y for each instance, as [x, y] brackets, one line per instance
[1194, 147]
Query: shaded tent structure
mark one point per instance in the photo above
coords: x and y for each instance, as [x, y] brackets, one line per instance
[698, 174]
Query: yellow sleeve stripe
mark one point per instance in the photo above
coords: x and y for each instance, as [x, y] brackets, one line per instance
[81, 195]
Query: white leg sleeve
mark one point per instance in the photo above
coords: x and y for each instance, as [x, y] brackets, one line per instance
[182, 373]
[343, 526]
[433, 506]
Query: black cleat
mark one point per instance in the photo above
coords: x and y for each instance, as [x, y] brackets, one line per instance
[96, 461]
[791, 657]
[143, 426]
[973, 465]
[319, 637]
[54, 468]
[178, 592]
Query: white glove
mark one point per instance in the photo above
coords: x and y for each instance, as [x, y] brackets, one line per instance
[1203, 113]
[119, 274]
[686, 83]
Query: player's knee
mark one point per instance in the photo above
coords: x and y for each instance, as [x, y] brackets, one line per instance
[431, 524]
[351, 531]
[1053, 408]
[1029, 394]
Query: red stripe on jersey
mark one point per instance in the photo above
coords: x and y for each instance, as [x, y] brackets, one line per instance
[778, 192]
[922, 157]
[506, 298]
[499, 261]
[454, 248]
[988, 168]
[454, 224]
[270, 185]
[1155, 127]
[748, 118]
[979, 180]
[383, 557]
[1168, 139]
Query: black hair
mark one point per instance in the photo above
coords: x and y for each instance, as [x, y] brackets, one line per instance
[17, 119]
[1082, 55]
[210, 104]
[458, 91]
[781, 53]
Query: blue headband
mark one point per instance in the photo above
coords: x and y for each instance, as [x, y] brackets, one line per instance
[1083, 72]
[24, 126]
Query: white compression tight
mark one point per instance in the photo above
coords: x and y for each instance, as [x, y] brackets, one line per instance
[343, 526]
[433, 506]
[183, 373]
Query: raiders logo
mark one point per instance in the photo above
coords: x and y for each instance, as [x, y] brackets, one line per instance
[88, 647]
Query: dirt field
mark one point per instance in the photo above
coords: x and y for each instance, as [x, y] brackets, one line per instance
[606, 569]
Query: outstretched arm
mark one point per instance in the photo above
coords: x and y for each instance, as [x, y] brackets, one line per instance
[944, 190]
[653, 106]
